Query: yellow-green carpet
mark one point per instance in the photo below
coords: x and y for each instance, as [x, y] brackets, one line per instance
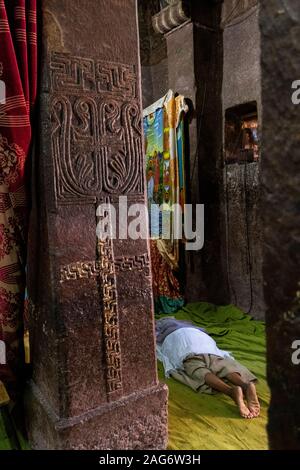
[199, 421]
[11, 435]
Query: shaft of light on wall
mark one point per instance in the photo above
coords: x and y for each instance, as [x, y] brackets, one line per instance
[2, 92]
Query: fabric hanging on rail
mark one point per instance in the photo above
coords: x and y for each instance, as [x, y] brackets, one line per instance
[18, 75]
[164, 148]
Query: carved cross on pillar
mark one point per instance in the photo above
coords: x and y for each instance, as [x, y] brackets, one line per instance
[96, 128]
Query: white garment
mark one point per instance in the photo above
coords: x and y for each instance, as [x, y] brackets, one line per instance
[184, 343]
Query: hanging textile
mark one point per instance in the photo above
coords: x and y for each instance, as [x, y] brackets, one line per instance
[166, 287]
[164, 148]
[181, 109]
[18, 75]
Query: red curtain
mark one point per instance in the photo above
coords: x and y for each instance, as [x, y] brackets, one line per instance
[18, 75]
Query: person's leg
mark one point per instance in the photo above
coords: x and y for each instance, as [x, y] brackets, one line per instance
[217, 384]
[236, 379]
[235, 392]
[249, 390]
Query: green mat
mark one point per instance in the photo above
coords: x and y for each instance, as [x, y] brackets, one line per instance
[11, 436]
[199, 421]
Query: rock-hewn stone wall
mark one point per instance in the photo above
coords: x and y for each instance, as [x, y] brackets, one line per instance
[153, 54]
[280, 28]
[241, 189]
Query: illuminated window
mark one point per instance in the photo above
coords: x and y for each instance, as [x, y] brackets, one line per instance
[241, 134]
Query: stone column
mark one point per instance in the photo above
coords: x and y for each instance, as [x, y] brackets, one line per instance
[280, 29]
[194, 44]
[94, 383]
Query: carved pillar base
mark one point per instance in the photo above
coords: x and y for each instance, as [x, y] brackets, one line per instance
[133, 422]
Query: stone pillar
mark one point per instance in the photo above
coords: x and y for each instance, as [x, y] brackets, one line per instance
[194, 44]
[94, 383]
[280, 29]
[241, 183]
[153, 50]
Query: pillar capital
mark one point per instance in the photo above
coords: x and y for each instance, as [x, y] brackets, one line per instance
[175, 14]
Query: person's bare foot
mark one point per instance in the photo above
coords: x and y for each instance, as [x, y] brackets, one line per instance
[252, 400]
[238, 398]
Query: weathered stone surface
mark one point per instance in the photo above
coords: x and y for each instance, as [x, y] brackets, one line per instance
[280, 28]
[241, 190]
[92, 314]
[241, 66]
[129, 423]
[153, 49]
[233, 9]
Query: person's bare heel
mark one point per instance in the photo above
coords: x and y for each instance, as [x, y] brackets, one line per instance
[252, 400]
[238, 398]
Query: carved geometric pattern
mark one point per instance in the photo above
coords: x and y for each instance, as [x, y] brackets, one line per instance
[79, 270]
[133, 263]
[76, 75]
[91, 269]
[110, 318]
[95, 129]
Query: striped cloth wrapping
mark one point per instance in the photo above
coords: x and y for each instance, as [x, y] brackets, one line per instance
[18, 79]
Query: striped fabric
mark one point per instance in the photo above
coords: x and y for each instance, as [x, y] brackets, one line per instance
[18, 73]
